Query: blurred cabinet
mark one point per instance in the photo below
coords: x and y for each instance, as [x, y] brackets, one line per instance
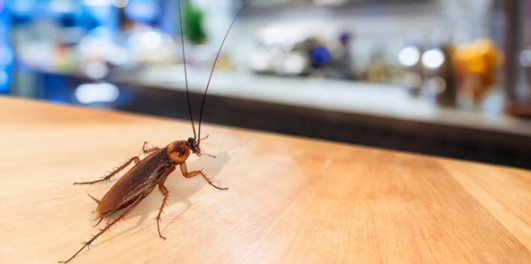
[517, 41]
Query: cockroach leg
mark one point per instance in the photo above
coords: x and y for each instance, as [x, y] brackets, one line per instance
[146, 151]
[108, 177]
[87, 244]
[164, 192]
[187, 174]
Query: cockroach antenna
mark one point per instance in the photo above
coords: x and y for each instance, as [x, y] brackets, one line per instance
[214, 66]
[198, 137]
[185, 73]
[153, 170]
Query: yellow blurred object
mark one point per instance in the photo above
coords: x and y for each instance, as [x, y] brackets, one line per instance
[375, 72]
[225, 63]
[475, 63]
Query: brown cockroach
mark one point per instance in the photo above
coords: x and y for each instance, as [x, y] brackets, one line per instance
[153, 170]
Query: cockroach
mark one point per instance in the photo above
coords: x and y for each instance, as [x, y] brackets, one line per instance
[152, 171]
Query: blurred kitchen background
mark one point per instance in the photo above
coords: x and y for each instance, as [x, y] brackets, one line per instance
[440, 77]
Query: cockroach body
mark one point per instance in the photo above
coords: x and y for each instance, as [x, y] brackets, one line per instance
[141, 179]
[152, 171]
[147, 174]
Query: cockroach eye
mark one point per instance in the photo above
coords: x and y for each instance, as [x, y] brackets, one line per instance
[192, 144]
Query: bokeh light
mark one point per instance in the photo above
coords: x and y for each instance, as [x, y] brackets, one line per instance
[433, 58]
[409, 56]
[96, 93]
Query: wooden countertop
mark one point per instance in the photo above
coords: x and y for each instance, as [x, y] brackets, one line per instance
[291, 200]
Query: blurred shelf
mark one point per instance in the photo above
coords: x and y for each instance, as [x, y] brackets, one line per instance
[360, 113]
[379, 100]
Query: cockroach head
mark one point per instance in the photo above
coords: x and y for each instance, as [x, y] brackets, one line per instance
[192, 143]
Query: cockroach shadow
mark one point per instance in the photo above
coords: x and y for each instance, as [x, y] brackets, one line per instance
[212, 166]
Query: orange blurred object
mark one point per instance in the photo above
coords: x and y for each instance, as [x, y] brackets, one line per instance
[475, 63]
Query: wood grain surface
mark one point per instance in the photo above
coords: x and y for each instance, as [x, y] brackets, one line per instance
[291, 200]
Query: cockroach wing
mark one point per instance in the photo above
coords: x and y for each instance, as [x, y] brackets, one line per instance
[140, 180]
